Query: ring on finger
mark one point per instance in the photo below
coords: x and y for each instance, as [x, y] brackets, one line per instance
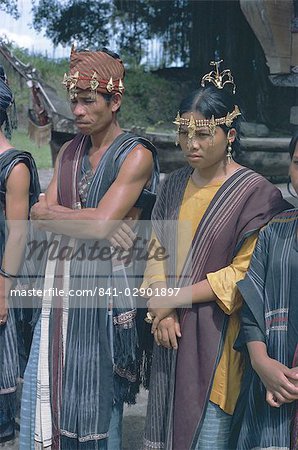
[149, 318]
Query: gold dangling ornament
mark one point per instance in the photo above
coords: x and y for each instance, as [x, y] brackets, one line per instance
[177, 123]
[229, 153]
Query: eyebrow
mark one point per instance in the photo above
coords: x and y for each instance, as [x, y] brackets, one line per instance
[84, 95]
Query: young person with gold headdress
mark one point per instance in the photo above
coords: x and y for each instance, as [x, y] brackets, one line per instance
[83, 364]
[196, 374]
[19, 190]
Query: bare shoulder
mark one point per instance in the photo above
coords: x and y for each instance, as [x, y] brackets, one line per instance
[140, 156]
[19, 176]
[19, 170]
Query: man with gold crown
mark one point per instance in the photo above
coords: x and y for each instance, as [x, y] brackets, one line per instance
[83, 362]
[196, 374]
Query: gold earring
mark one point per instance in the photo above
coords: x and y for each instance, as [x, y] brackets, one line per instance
[177, 138]
[229, 152]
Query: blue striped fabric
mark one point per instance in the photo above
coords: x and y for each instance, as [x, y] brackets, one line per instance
[215, 431]
[29, 394]
[266, 291]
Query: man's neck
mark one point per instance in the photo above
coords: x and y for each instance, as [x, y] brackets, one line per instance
[100, 142]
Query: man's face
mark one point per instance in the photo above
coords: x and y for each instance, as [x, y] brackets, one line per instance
[92, 116]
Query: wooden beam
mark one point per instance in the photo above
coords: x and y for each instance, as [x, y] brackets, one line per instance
[294, 58]
[270, 20]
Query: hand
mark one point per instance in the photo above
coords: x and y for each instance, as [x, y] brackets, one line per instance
[276, 378]
[123, 236]
[293, 378]
[39, 211]
[3, 302]
[167, 331]
[158, 314]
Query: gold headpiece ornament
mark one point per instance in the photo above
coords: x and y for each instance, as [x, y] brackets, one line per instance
[218, 79]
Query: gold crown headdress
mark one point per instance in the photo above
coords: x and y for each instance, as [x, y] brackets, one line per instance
[219, 79]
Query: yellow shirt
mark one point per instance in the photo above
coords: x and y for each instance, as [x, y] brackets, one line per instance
[226, 383]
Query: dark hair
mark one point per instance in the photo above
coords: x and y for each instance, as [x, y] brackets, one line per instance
[293, 144]
[110, 53]
[3, 117]
[108, 98]
[211, 101]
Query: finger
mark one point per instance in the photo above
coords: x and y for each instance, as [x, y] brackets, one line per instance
[3, 319]
[125, 237]
[172, 337]
[114, 242]
[271, 400]
[289, 387]
[119, 242]
[289, 397]
[279, 398]
[127, 229]
[155, 324]
[165, 341]
[292, 373]
[163, 337]
[156, 338]
[294, 382]
[159, 334]
[130, 222]
[42, 198]
[177, 329]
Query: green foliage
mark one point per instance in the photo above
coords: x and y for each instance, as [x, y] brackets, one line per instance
[41, 155]
[147, 101]
[85, 21]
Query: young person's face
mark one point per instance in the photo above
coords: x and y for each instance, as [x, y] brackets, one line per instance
[203, 150]
[293, 172]
[93, 115]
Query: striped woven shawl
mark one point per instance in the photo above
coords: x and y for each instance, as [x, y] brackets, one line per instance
[266, 291]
